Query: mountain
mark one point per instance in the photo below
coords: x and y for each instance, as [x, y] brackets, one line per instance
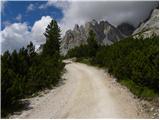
[126, 28]
[150, 26]
[106, 34]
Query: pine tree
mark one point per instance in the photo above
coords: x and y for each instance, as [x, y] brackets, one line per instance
[92, 44]
[52, 35]
[31, 50]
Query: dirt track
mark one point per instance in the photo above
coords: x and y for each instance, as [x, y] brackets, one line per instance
[87, 92]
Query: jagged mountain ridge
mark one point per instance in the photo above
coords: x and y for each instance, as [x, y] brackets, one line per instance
[150, 26]
[106, 34]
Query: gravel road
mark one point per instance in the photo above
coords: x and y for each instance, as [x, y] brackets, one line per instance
[87, 92]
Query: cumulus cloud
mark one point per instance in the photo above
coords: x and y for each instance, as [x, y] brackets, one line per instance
[2, 5]
[58, 4]
[14, 36]
[38, 29]
[30, 7]
[6, 23]
[115, 12]
[18, 35]
[19, 17]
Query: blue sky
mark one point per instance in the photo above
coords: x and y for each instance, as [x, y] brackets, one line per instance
[13, 9]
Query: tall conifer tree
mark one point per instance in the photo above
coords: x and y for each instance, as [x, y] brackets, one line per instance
[52, 35]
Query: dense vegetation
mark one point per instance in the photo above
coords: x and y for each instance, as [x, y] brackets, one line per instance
[133, 61]
[25, 72]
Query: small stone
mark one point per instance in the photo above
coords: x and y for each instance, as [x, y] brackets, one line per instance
[155, 114]
[152, 109]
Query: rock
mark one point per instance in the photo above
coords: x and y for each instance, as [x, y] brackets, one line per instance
[17, 113]
[152, 117]
[155, 114]
[106, 34]
[150, 27]
[152, 109]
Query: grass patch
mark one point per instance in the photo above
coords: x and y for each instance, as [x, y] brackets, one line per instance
[88, 61]
[84, 60]
[139, 91]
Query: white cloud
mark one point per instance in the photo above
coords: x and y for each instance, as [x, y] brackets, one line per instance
[42, 6]
[39, 28]
[114, 12]
[2, 5]
[19, 17]
[14, 36]
[6, 23]
[56, 3]
[30, 7]
[18, 35]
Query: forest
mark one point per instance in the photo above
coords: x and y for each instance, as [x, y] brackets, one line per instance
[26, 72]
[134, 62]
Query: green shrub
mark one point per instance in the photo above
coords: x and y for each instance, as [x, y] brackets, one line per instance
[140, 91]
[135, 60]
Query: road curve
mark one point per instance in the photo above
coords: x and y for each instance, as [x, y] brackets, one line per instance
[87, 92]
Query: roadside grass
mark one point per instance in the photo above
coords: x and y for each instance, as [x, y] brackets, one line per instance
[139, 91]
[88, 61]
[84, 60]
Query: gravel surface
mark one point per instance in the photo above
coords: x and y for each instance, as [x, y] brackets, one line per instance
[87, 92]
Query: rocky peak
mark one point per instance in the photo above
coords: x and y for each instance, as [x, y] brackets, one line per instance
[105, 34]
[104, 23]
[76, 27]
[155, 13]
[150, 26]
[94, 22]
